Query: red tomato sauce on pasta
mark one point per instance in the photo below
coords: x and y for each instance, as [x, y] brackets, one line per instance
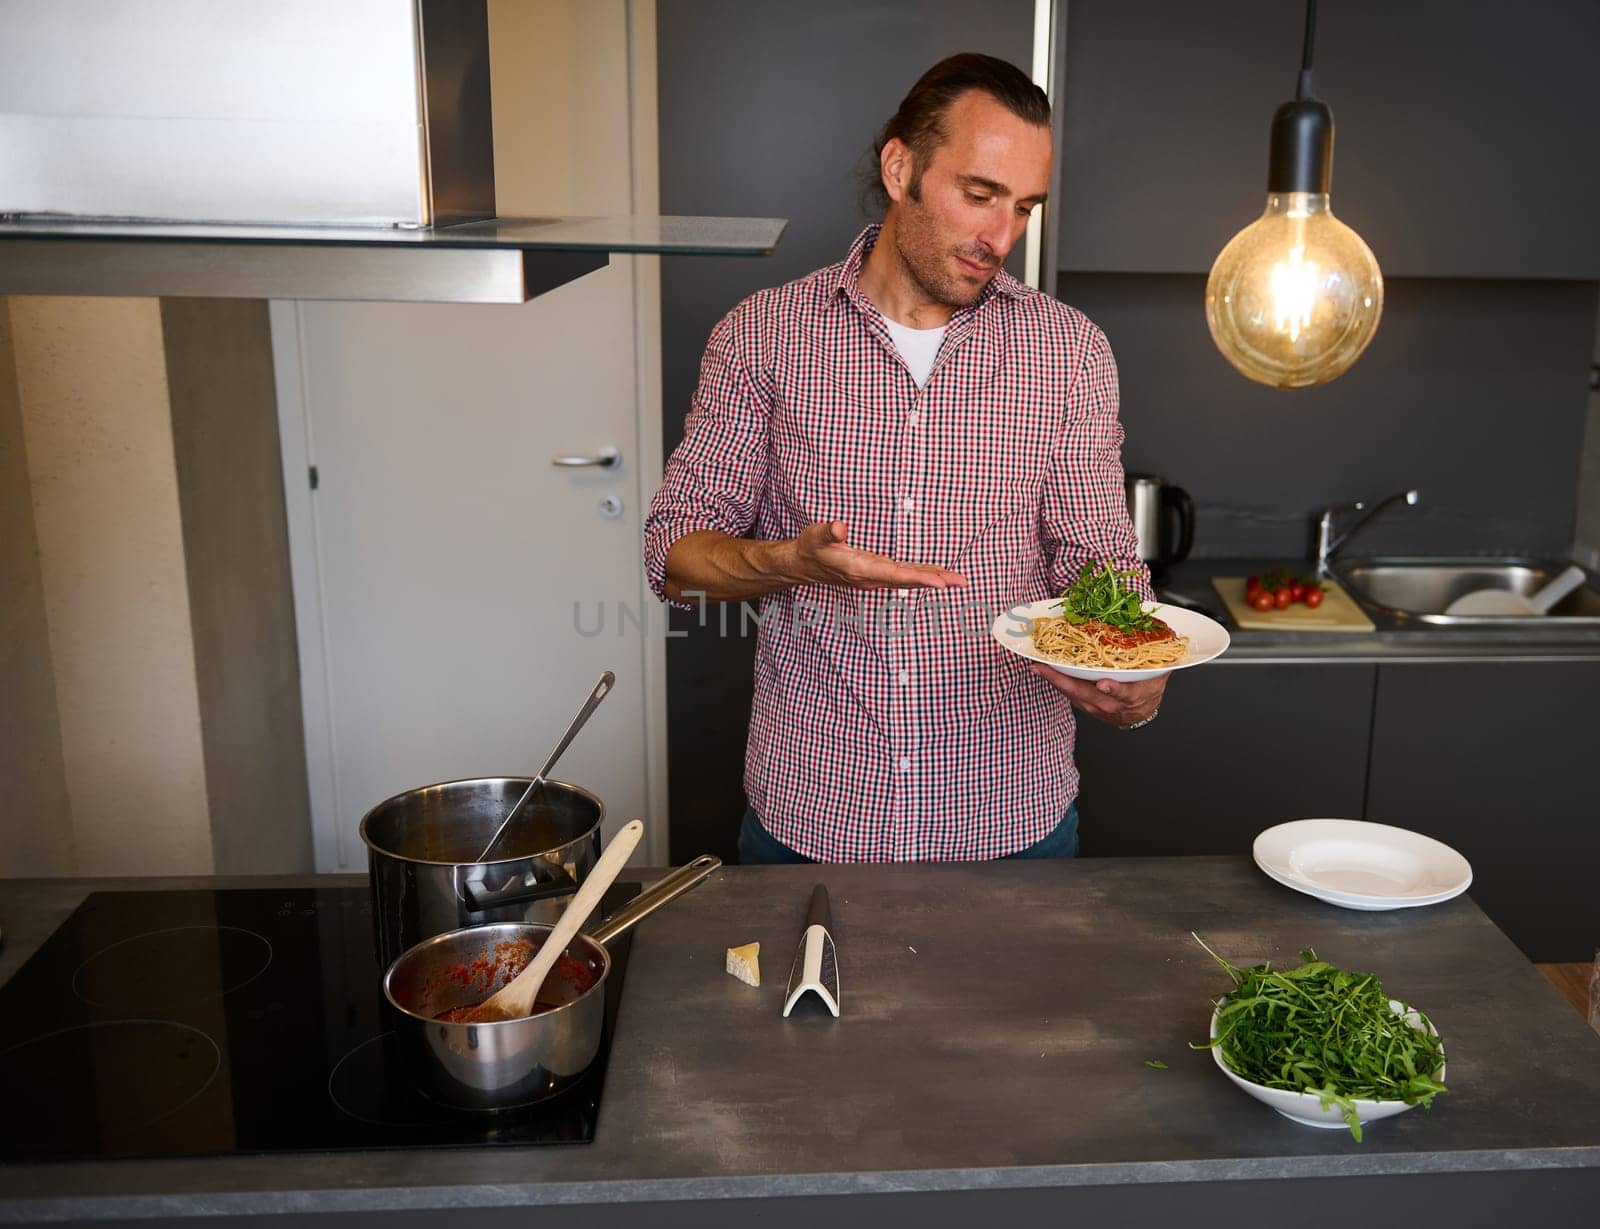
[1116, 638]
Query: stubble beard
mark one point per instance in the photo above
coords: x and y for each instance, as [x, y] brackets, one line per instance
[924, 263]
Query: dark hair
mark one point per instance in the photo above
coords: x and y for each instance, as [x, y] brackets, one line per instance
[919, 122]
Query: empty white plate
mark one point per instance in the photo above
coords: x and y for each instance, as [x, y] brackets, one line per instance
[1357, 864]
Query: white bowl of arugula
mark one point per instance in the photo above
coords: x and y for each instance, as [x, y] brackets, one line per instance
[1323, 1046]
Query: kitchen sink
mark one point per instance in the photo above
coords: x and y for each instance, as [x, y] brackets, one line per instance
[1421, 590]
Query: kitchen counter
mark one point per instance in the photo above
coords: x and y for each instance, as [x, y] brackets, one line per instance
[1392, 641]
[990, 1062]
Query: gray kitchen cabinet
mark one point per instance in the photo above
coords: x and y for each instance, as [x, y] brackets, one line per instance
[1237, 748]
[1457, 126]
[1498, 759]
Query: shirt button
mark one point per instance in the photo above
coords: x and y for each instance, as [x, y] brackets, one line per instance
[908, 503]
[913, 419]
[905, 763]
[905, 677]
[902, 592]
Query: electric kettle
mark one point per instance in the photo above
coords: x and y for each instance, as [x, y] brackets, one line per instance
[1163, 519]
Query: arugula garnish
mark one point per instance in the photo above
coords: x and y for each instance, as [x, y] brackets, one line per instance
[1098, 594]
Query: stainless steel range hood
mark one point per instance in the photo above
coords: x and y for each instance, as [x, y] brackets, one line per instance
[279, 149]
[503, 260]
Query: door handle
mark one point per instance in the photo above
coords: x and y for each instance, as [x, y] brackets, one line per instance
[607, 458]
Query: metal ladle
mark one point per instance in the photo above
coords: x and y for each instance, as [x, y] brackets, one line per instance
[601, 689]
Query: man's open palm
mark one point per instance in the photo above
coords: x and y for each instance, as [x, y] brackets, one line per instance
[827, 558]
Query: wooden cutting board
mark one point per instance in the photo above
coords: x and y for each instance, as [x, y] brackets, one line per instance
[1338, 613]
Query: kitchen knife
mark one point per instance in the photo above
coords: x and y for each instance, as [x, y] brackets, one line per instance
[816, 964]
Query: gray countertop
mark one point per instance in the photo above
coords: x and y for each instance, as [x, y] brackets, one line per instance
[1391, 641]
[997, 1019]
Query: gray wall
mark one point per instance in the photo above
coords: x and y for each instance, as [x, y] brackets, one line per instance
[1589, 472]
[241, 608]
[1472, 391]
[35, 821]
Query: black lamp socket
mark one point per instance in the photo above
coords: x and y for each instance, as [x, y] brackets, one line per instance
[1302, 148]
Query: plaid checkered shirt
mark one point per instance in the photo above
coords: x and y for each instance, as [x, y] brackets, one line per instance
[889, 724]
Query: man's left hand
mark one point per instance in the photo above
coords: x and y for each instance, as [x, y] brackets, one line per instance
[1118, 704]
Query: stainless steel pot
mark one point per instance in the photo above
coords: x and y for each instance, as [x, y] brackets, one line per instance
[420, 846]
[511, 1062]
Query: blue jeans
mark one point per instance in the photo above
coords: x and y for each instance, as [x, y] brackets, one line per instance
[757, 846]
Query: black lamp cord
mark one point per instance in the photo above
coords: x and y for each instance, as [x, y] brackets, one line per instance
[1303, 90]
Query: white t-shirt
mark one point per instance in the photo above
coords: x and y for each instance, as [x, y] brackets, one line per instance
[918, 347]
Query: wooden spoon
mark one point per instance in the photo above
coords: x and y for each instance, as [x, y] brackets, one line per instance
[516, 998]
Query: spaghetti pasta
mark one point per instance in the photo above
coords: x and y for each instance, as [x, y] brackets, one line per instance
[1094, 644]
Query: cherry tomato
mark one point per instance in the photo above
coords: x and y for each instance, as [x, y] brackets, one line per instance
[1261, 600]
[1296, 591]
[1313, 598]
[1251, 584]
[1281, 599]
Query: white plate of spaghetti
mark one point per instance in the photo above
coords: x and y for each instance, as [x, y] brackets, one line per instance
[1094, 650]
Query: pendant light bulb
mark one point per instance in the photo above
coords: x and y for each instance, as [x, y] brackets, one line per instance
[1295, 297]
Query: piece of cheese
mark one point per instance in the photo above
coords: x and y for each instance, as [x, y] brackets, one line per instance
[743, 963]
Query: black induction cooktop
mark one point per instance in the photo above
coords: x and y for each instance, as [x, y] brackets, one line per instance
[199, 1022]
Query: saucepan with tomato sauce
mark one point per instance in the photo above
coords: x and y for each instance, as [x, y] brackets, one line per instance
[511, 1062]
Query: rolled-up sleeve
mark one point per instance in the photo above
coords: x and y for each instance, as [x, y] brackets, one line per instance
[715, 476]
[1084, 512]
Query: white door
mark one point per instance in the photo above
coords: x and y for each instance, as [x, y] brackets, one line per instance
[463, 577]
[458, 595]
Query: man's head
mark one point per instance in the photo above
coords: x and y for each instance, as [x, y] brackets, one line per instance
[961, 165]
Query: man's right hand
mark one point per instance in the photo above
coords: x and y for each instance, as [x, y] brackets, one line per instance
[824, 556]
[717, 568]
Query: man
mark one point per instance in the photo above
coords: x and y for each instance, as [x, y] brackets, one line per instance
[916, 441]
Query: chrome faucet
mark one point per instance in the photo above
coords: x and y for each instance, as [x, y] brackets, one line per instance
[1328, 545]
